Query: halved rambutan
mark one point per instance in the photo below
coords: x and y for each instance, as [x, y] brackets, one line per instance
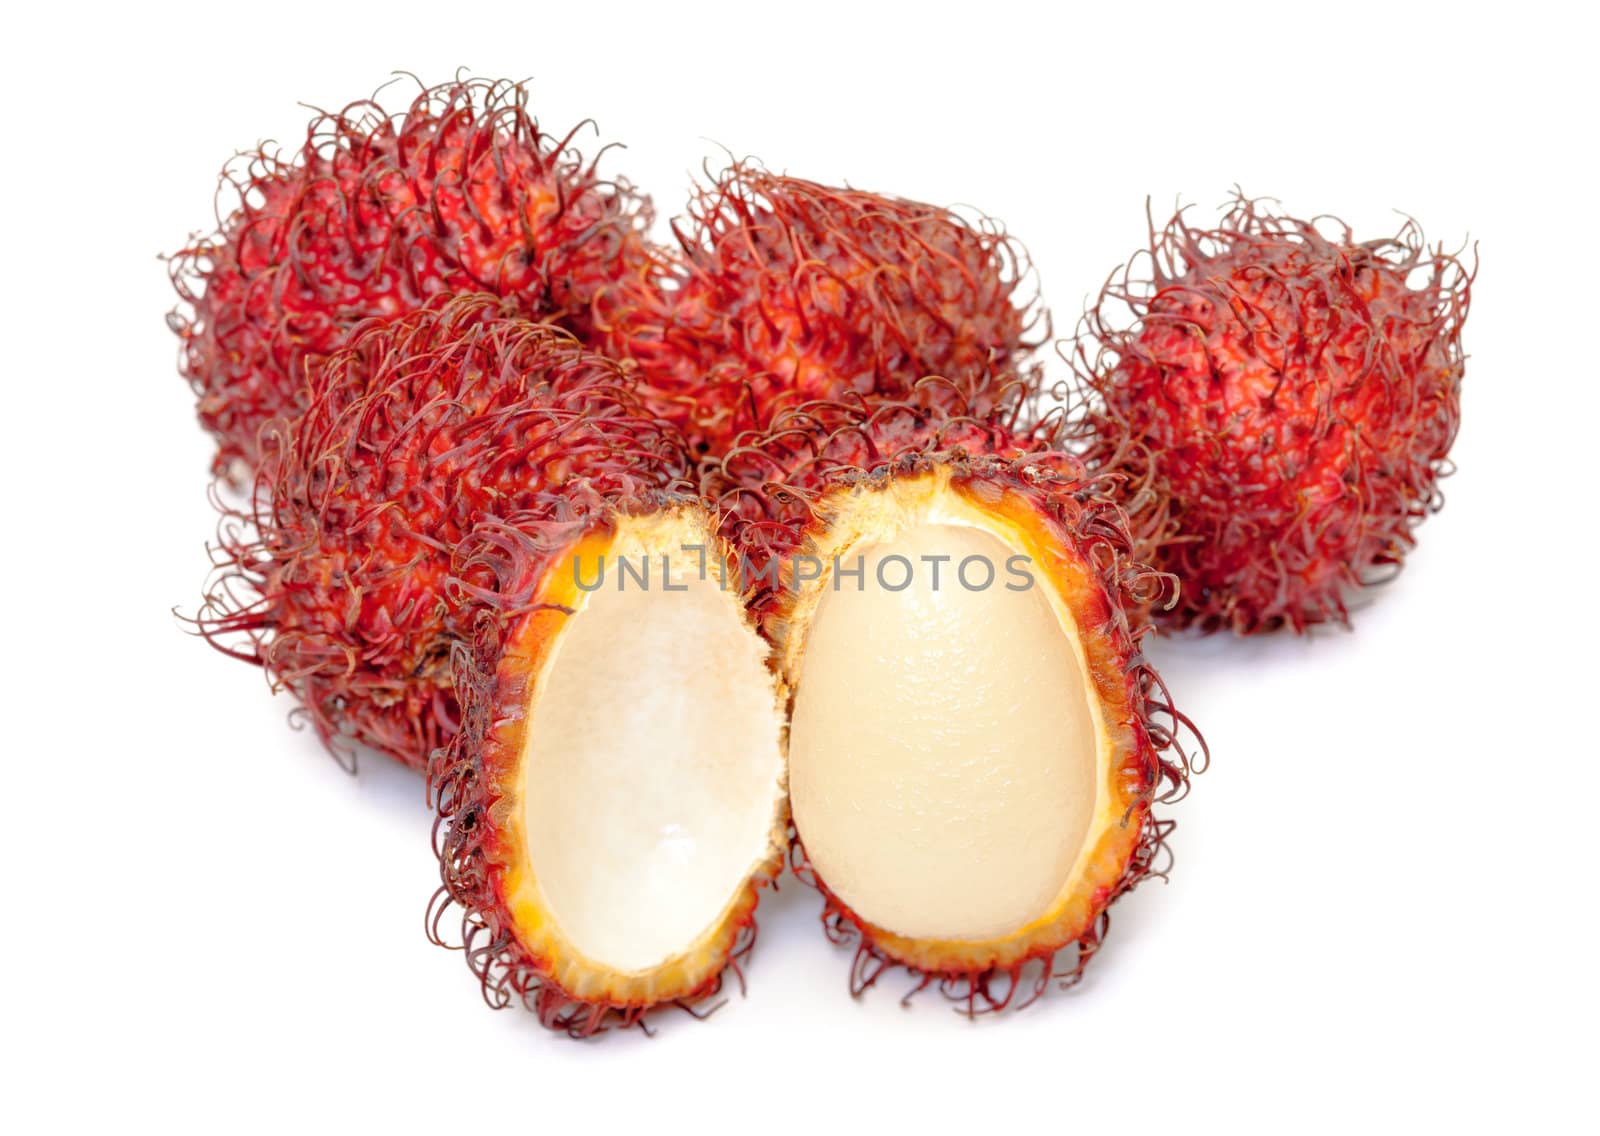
[615, 799]
[975, 740]
[791, 291]
[374, 215]
[334, 577]
[1281, 405]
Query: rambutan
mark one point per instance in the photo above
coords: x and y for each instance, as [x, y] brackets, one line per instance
[373, 216]
[334, 577]
[1280, 406]
[788, 291]
[976, 741]
[615, 800]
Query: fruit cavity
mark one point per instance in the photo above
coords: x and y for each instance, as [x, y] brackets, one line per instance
[615, 800]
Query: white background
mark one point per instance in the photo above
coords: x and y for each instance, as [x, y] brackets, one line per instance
[1384, 905]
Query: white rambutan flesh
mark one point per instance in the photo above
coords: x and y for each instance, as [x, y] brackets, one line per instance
[944, 744]
[652, 766]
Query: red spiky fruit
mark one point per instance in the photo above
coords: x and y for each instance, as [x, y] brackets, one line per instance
[789, 291]
[335, 577]
[1281, 406]
[972, 765]
[373, 216]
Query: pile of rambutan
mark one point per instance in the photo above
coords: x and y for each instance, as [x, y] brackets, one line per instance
[673, 565]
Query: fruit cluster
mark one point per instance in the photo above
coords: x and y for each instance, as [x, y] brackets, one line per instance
[636, 549]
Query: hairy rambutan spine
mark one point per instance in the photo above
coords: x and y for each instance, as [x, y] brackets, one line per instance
[373, 216]
[769, 488]
[333, 577]
[788, 291]
[1280, 401]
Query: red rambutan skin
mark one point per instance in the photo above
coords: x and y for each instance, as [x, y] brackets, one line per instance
[788, 291]
[373, 216]
[768, 488]
[337, 578]
[1281, 407]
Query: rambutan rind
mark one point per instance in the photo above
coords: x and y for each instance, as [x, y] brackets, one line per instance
[517, 940]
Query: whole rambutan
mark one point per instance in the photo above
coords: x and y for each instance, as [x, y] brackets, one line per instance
[788, 291]
[374, 215]
[976, 741]
[1280, 406]
[334, 577]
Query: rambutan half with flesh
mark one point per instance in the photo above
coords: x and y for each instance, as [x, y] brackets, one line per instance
[789, 291]
[976, 741]
[615, 800]
[334, 576]
[1281, 406]
[373, 216]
